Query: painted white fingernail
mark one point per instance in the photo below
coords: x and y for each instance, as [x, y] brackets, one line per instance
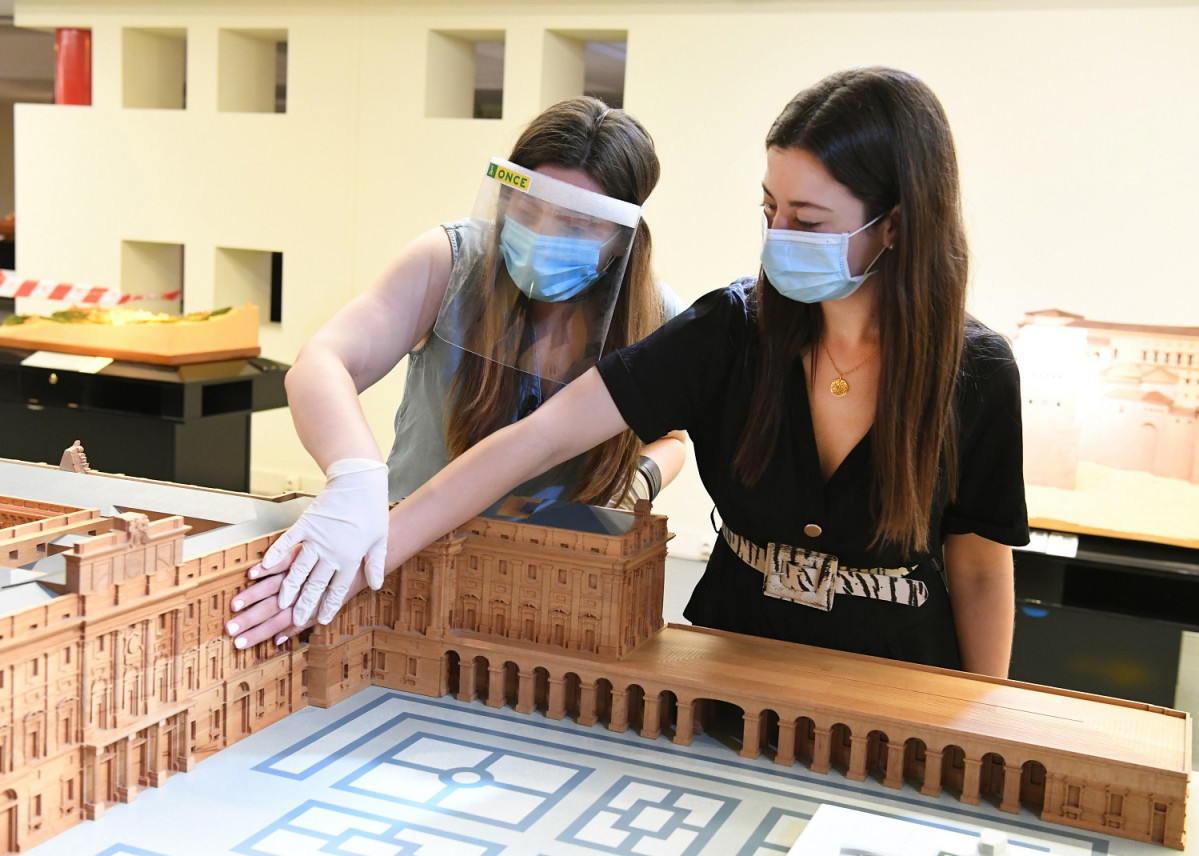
[237, 604]
[240, 642]
[232, 627]
[280, 640]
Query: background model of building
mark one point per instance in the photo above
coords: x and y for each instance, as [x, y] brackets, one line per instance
[115, 671]
[1121, 395]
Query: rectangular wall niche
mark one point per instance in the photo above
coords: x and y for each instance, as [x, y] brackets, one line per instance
[465, 74]
[252, 71]
[584, 62]
[153, 272]
[154, 68]
[250, 276]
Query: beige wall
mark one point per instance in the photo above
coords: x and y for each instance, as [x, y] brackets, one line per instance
[1074, 121]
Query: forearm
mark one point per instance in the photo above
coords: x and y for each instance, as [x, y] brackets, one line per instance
[324, 406]
[579, 417]
[982, 591]
[362, 343]
[985, 623]
[669, 453]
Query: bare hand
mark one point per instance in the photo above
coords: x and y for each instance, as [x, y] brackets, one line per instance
[257, 614]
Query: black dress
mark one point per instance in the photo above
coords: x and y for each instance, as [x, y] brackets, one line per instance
[696, 374]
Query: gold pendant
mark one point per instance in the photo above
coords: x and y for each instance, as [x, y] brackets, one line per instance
[839, 387]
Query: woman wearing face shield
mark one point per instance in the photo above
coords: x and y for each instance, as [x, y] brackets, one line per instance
[858, 432]
[495, 314]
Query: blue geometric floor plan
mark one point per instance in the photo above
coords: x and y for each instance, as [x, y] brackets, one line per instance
[389, 773]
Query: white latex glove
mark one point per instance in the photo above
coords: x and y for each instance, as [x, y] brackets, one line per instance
[345, 526]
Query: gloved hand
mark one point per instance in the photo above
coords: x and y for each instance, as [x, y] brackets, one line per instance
[343, 527]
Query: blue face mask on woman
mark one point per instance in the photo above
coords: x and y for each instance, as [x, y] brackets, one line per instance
[549, 268]
[812, 267]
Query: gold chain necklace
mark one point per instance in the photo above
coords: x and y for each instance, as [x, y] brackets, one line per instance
[839, 385]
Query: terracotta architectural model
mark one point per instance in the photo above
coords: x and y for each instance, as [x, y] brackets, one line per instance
[124, 333]
[115, 671]
[74, 459]
[1121, 395]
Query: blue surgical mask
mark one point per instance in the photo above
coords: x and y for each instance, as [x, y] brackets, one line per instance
[549, 268]
[812, 267]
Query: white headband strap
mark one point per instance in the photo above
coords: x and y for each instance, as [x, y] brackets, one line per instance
[564, 194]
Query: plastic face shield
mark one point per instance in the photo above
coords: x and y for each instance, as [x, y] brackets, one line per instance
[538, 273]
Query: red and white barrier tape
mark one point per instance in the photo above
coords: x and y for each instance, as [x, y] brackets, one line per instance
[72, 293]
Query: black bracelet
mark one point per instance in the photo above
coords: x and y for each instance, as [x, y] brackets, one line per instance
[653, 476]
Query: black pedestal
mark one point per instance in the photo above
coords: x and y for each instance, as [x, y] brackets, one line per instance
[1108, 620]
[187, 424]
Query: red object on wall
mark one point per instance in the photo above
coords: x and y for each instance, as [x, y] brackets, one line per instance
[73, 67]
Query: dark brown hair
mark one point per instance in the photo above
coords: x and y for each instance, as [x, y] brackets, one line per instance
[882, 134]
[617, 152]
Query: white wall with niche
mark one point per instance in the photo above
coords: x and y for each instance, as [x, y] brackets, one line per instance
[1076, 147]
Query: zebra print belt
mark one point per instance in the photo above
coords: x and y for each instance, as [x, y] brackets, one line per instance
[813, 579]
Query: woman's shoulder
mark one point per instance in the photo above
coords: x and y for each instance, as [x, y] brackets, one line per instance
[985, 348]
[724, 315]
[711, 328]
[987, 358]
[455, 230]
[735, 301]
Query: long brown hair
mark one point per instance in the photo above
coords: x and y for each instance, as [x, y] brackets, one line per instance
[617, 152]
[882, 134]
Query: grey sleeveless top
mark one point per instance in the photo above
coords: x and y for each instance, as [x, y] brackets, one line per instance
[419, 450]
